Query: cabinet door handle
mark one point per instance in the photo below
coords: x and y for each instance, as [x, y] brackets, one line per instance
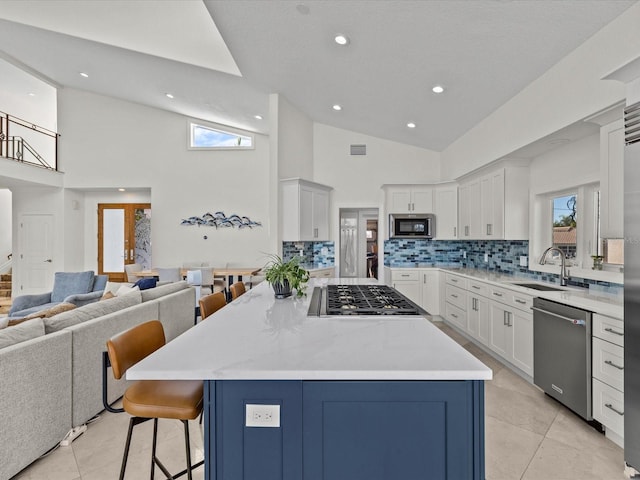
[405, 275]
[521, 301]
[497, 294]
[611, 407]
[455, 232]
[475, 286]
[454, 315]
[504, 318]
[466, 230]
[611, 330]
[453, 280]
[509, 319]
[409, 206]
[489, 229]
[424, 278]
[454, 295]
[609, 362]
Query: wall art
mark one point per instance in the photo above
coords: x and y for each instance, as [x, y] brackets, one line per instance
[220, 220]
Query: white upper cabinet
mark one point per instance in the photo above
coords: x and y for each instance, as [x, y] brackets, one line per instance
[495, 206]
[305, 210]
[409, 199]
[446, 210]
[611, 180]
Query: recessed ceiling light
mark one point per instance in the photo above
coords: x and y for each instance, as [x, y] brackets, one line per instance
[121, 189]
[437, 89]
[85, 75]
[32, 94]
[169, 95]
[341, 40]
[337, 107]
[258, 117]
[411, 125]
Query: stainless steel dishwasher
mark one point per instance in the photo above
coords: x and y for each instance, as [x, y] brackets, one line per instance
[562, 354]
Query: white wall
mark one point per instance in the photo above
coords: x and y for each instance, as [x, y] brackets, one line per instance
[295, 142]
[109, 143]
[6, 223]
[569, 91]
[357, 180]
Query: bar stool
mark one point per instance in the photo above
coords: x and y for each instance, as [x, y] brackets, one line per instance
[237, 289]
[210, 304]
[153, 399]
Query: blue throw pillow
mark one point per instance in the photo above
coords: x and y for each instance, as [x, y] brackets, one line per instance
[145, 283]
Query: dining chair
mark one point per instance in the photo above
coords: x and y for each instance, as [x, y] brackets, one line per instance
[153, 399]
[131, 270]
[211, 284]
[210, 304]
[169, 274]
[237, 289]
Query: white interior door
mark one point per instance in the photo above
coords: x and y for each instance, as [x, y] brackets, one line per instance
[36, 253]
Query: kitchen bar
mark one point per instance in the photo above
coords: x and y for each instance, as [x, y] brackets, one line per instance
[358, 396]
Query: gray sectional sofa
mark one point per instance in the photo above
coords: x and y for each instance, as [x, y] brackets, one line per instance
[52, 383]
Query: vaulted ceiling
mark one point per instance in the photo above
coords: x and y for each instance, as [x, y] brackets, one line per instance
[220, 59]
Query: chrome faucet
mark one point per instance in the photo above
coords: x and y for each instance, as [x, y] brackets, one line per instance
[563, 269]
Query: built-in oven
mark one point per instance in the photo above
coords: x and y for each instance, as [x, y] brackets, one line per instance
[412, 225]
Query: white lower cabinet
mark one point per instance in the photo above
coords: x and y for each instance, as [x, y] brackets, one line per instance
[408, 282]
[455, 315]
[328, 272]
[511, 331]
[478, 317]
[607, 368]
[431, 291]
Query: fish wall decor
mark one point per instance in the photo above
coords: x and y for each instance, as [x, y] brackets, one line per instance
[220, 220]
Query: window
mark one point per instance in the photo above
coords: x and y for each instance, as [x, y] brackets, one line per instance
[565, 225]
[207, 137]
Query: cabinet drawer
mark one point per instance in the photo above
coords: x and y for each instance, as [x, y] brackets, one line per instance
[478, 288]
[608, 406]
[322, 273]
[500, 294]
[523, 302]
[455, 315]
[456, 296]
[407, 274]
[608, 363]
[609, 329]
[456, 280]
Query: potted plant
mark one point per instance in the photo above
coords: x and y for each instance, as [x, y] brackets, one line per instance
[286, 276]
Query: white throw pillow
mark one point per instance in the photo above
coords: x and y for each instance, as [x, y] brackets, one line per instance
[125, 290]
[4, 321]
[114, 286]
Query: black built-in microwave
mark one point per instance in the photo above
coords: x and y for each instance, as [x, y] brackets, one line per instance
[412, 225]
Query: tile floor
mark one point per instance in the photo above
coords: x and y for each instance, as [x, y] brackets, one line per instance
[528, 436]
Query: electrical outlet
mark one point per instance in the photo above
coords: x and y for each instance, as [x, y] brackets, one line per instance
[524, 261]
[262, 415]
[486, 257]
[301, 252]
[464, 254]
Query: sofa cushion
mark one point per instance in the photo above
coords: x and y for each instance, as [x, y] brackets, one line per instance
[162, 290]
[124, 290]
[45, 313]
[88, 312]
[145, 283]
[70, 283]
[21, 333]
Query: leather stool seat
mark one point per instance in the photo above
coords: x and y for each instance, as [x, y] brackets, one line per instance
[177, 399]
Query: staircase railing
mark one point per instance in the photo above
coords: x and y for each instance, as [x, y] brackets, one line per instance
[17, 148]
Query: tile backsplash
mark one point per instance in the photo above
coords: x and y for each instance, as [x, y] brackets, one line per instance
[503, 256]
[316, 254]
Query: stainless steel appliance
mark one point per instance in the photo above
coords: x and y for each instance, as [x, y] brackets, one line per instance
[632, 286]
[412, 225]
[562, 354]
[362, 300]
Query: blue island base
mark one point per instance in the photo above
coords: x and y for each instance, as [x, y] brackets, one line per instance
[346, 430]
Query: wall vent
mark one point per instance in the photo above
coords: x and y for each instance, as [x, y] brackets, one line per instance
[358, 149]
[631, 124]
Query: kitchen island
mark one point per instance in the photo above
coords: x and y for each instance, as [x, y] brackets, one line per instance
[378, 397]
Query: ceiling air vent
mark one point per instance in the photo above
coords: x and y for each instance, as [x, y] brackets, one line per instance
[358, 149]
[631, 124]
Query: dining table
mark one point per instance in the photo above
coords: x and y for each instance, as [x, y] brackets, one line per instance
[229, 273]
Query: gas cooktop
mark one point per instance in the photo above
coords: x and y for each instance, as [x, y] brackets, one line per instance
[374, 299]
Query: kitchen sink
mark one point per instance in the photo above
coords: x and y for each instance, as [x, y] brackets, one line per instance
[538, 286]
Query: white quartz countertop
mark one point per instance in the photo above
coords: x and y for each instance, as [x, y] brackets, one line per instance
[584, 298]
[258, 337]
